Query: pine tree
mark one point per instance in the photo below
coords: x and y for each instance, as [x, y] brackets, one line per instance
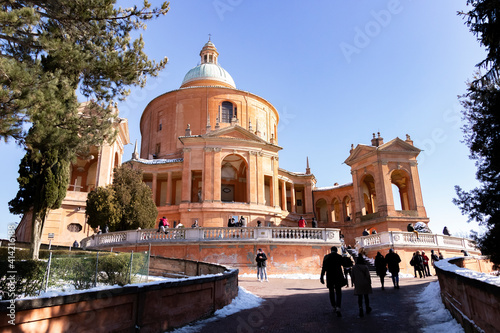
[482, 130]
[69, 44]
[49, 50]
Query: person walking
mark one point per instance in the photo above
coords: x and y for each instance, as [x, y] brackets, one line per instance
[314, 223]
[332, 266]
[381, 267]
[302, 222]
[362, 284]
[261, 259]
[393, 260]
[347, 265]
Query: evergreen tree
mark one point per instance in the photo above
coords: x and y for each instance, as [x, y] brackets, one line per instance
[65, 44]
[125, 205]
[101, 208]
[48, 50]
[482, 129]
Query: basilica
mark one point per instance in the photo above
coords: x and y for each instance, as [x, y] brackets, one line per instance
[210, 152]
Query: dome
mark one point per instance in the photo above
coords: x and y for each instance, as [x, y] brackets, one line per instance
[208, 71]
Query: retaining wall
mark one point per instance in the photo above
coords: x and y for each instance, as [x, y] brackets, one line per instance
[153, 307]
[471, 300]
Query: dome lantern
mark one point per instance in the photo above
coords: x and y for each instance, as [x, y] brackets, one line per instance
[208, 72]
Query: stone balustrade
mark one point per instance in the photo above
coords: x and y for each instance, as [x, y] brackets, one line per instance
[402, 239]
[268, 234]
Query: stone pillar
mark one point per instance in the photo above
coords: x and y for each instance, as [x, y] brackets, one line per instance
[252, 176]
[415, 192]
[283, 195]
[169, 189]
[384, 200]
[275, 195]
[292, 192]
[208, 175]
[217, 171]
[186, 176]
[329, 218]
[261, 196]
[153, 187]
[309, 208]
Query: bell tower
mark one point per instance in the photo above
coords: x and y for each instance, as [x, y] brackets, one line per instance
[386, 184]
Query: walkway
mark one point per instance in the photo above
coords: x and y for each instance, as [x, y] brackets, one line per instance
[296, 306]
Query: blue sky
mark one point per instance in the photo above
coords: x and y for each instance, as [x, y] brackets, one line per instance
[337, 71]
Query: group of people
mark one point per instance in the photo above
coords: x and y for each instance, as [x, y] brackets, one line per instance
[420, 262]
[231, 223]
[338, 267]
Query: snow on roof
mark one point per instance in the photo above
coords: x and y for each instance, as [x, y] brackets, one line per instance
[157, 161]
[326, 188]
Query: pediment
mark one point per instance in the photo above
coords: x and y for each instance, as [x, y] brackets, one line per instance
[399, 146]
[234, 132]
[359, 152]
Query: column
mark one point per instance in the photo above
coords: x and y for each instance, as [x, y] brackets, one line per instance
[153, 187]
[252, 177]
[208, 183]
[309, 207]
[283, 195]
[186, 176]
[275, 196]
[216, 173]
[169, 189]
[292, 192]
[261, 197]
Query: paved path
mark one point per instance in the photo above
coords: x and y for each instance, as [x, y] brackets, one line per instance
[293, 306]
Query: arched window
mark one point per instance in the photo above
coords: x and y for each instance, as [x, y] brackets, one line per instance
[227, 112]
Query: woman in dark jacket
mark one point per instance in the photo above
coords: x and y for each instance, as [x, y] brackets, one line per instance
[381, 267]
[362, 284]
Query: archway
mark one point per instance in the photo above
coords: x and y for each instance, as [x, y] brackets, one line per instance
[336, 210]
[234, 179]
[322, 211]
[369, 195]
[400, 181]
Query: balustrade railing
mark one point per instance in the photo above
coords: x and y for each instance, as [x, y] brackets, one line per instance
[272, 234]
[400, 238]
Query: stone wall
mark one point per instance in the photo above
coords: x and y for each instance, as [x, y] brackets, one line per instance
[470, 299]
[152, 307]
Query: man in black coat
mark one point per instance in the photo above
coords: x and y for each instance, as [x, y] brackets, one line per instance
[332, 266]
[393, 260]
